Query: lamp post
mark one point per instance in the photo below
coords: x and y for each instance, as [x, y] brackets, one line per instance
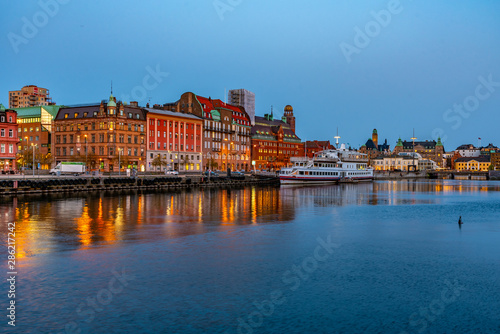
[119, 162]
[26, 150]
[86, 153]
[33, 164]
[413, 153]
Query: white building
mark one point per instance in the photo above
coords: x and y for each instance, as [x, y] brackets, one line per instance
[244, 98]
[468, 151]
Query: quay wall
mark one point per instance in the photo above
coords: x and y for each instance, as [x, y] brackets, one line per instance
[12, 187]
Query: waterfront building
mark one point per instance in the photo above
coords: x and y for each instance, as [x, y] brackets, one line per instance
[373, 149]
[429, 149]
[174, 141]
[393, 162]
[245, 99]
[35, 131]
[8, 139]
[29, 96]
[476, 164]
[103, 135]
[226, 131]
[495, 160]
[274, 141]
[487, 150]
[313, 146]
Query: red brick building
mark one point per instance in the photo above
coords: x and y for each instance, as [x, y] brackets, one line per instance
[274, 141]
[314, 146]
[226, 131]
[174, 141]
[8, 139]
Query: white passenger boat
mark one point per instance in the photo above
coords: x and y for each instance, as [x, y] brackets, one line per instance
[327, 167]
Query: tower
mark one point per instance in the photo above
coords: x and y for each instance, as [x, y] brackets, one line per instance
[375, 138]
[290, 119]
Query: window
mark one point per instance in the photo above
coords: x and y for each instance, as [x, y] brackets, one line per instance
[2, 148]
[76, 115]
[2, 133]
[66, 115]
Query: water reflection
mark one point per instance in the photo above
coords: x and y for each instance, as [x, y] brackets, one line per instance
[57, 222]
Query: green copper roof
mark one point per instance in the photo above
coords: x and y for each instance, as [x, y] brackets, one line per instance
[2, 108]
[111, 102]
[37, 111]
[374, 131]
[439, 142]
[400, 142]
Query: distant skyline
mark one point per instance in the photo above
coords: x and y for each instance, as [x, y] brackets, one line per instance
[391, 65]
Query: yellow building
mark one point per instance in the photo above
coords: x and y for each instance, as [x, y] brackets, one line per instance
[29, 96]
[476, 164]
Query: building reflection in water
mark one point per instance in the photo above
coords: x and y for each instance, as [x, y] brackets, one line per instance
[59, 222]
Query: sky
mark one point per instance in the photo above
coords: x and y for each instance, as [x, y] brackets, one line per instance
[352, 65]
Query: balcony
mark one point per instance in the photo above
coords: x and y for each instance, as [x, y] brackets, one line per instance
[217, 139]
[216, 150]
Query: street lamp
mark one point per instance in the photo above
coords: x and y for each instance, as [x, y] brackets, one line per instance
[33, 164]
[86, 153]
[26, 150]
[119, 162]
[413, 153]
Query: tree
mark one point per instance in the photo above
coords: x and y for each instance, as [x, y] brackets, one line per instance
[212, 164]
[158, 162]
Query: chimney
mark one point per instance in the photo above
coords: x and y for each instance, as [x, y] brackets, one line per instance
[134, 103]
[147, 105]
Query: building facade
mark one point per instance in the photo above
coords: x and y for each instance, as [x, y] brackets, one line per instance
[174, 141]
[475, 164]
[8, 139]
[274, 141]
[29, 96]
[35, 130]
[108, 137]
[373, 149]
[393, 162]
[313, 146]
[245, 99]
[495, 160]
[226, 131]
[429, 149]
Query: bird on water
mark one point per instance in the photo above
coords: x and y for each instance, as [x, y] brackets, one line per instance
[460, 222]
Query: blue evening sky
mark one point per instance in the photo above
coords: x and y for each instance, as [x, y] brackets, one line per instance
[406, 72]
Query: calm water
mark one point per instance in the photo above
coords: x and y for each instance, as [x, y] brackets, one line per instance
[386, 257]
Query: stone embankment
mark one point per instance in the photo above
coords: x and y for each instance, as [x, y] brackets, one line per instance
[10, 187]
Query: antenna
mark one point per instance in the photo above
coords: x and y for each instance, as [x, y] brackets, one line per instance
[337, 137]
[111, 87]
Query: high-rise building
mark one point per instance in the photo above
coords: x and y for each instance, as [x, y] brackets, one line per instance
[29, 96]
[245, 99]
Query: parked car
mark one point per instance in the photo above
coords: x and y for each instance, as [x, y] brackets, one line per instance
[171, 172]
